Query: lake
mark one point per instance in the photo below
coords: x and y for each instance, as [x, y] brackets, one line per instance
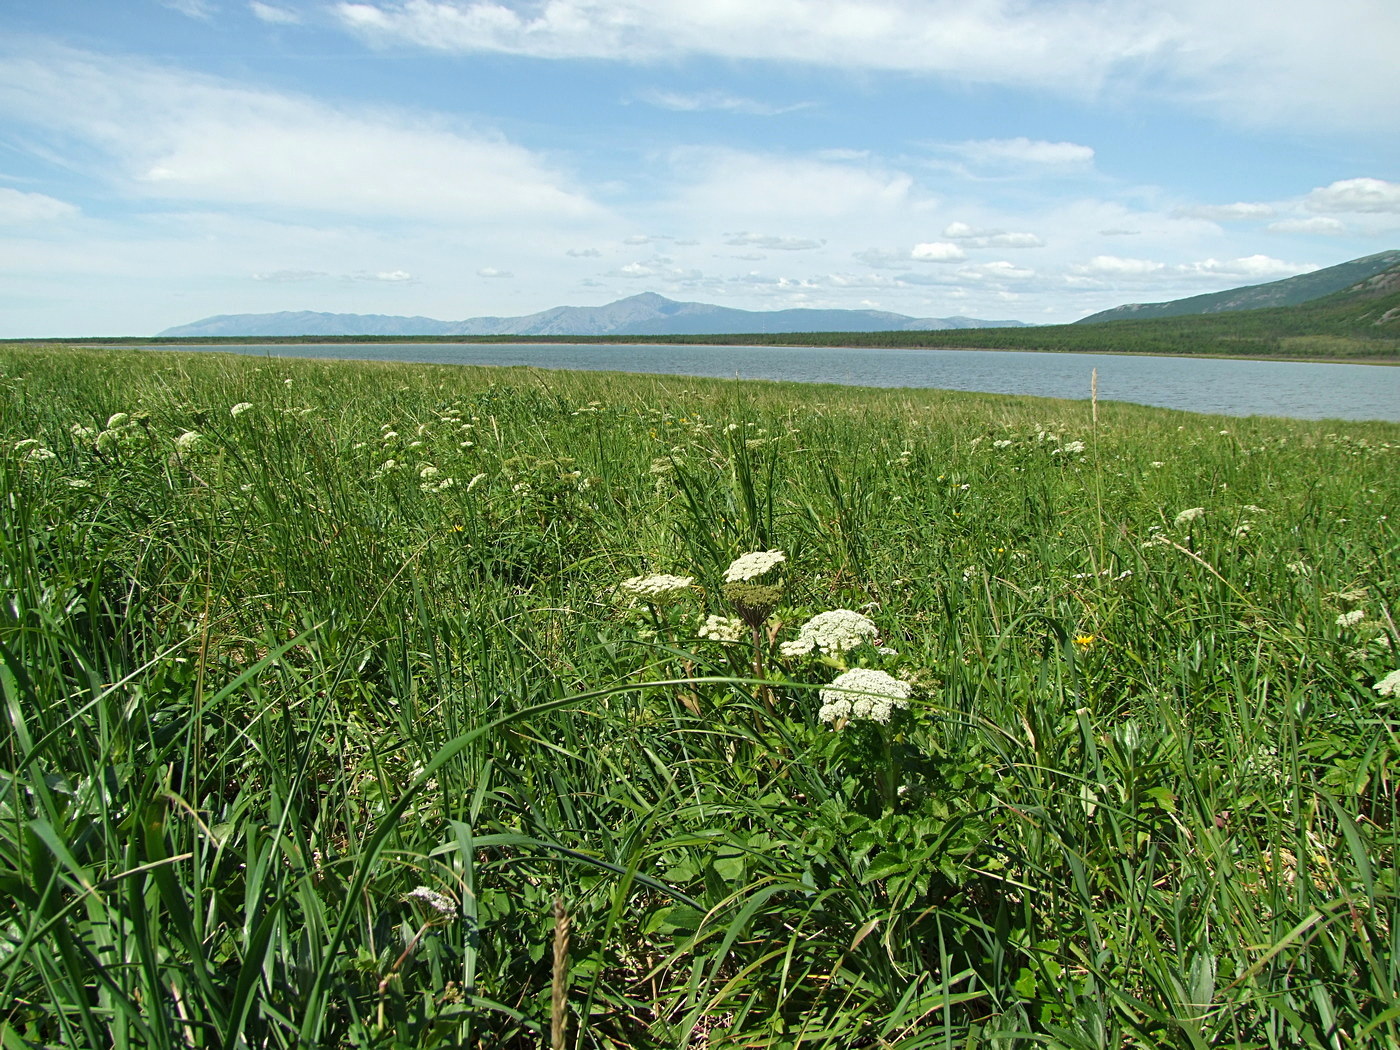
[1300, 390]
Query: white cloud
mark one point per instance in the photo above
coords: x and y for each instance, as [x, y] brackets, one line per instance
[797, 191]
[709, 101]
[1316, 224]
[290, 276]
[975, 238]
[19, 207]
[1251, 266]
[937, 251]
[274, 15]
[770, 243]
[1114, 266]
[1282, 62]
[491, 271]
[584, 253]
[382, 276]
[1023, 152]
[1356, 195]
[173, 136]
[204, 10]
[1240, 212]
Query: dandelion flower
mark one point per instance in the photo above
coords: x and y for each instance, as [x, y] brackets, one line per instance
[1351, 619]
[238, 409]
[1389, 685]
[753, 565]
[1189, 515]
[837, 631]
[721, 628]
[657, 587]
[863, 693]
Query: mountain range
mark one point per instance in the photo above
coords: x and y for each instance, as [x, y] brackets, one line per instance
[645, 314]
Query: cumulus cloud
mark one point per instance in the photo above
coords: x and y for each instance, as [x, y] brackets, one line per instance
[1250, 266]
[491, 271]
[937, 251]
[17, 207]
[169, 135]
[1115, 265]
[1240, 212]
[273, 15]
[1356, 195]
[770, 243]
[975, 238]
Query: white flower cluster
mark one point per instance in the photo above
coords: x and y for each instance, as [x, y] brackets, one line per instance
[34, 451]
[188, 440]
[831, 632]
[1351, 619]
[238, 409]
[721, 628]
[1189, 515]
[659, 586]
[439, 902]
[863, 693]
[753, 565]
[1389, 685]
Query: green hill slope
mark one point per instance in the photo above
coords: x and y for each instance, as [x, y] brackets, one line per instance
[1289, 292]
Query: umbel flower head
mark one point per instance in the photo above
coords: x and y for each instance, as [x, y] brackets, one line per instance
[751, 566]
[863, 693]
[1189, 515]
[836, 631]
[721, 628]
[1389, 685]
[658, 587]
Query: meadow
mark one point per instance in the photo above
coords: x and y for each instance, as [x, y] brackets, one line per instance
[372, 705]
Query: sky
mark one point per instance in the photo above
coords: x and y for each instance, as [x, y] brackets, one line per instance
[162, 161]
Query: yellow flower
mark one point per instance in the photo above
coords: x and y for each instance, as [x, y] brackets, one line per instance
[1083, 641]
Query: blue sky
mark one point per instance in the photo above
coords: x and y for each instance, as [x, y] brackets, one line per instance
[165, 160]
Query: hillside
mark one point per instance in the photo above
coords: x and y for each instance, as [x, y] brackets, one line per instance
[1291, 291]
[645, 314]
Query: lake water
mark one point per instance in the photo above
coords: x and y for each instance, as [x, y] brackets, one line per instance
[1228, 387]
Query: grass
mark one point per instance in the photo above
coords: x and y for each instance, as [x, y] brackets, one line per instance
[265, 686]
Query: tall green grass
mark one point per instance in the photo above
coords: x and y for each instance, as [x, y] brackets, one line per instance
[262, 684]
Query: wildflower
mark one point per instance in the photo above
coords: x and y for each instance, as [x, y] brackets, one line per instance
[863, 693]
[1389, 685]
[428, 472]
[1351, 619]
[658, 587]
[1157, 463]
[1189, 515]
[721, 628]
[117, 419]
[188, 440]
[476, 479]
[1072, 446]
[1003, 443]
[1083, 642]
[836, 631]
[238, 409]
[439, 902]
[753, 565]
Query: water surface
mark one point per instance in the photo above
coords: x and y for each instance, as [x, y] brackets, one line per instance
[1301, 390]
